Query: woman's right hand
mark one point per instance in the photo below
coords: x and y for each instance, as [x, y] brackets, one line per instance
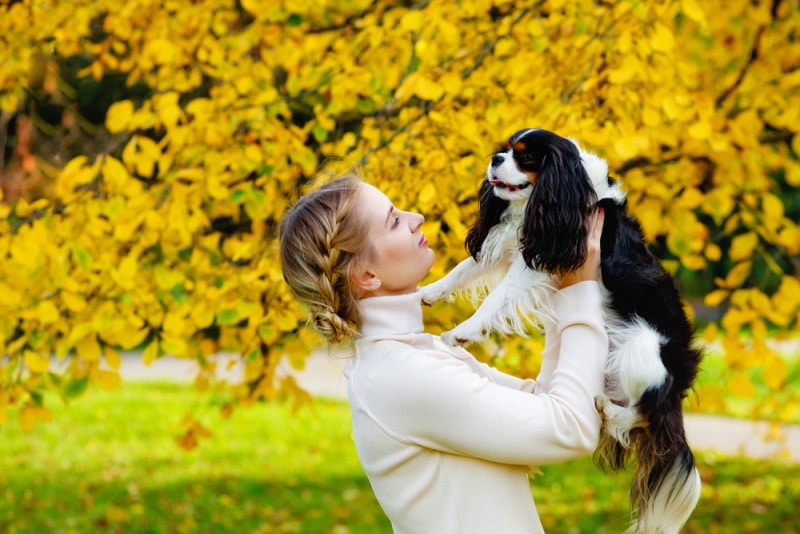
[590, 270]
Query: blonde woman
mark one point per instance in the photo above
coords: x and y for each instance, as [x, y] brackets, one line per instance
[445, 441]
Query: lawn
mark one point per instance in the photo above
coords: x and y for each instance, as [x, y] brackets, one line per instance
[109, 463]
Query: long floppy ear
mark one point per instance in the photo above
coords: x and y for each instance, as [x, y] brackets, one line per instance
[491, 208]
[555, 227]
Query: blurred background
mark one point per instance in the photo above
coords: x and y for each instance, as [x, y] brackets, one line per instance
[150, 149]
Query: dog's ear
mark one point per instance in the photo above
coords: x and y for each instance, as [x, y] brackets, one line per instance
[491, 208]
[556, 226]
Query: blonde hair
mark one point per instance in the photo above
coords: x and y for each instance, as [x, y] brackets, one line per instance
[321, 240]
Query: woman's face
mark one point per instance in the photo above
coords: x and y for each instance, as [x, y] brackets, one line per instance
[401, 257]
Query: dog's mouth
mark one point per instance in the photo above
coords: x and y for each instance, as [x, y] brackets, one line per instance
[500, 184]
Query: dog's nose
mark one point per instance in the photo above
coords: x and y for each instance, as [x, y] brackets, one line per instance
[498, 160]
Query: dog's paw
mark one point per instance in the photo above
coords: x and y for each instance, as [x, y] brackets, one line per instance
[600, 403]
[434, 292]
[619, 418]
[463, 334]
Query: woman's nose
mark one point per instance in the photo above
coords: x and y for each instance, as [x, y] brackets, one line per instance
[416, 221]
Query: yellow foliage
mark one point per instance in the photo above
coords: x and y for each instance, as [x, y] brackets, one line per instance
[166, 241]
[741, 385]
[742, 246]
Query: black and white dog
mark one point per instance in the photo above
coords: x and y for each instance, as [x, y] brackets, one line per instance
[534, 203]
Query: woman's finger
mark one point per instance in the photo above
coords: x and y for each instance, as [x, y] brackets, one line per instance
[598, 217]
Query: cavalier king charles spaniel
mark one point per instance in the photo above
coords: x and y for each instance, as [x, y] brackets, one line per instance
[532, 224]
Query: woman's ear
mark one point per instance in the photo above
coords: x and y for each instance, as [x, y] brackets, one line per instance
[365, 280]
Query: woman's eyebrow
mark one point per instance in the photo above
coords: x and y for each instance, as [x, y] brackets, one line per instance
[388, 216]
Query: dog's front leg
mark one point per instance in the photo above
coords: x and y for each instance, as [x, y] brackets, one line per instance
[521, 290]
[464, 274]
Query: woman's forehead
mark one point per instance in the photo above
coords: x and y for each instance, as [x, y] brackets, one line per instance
[373, 201]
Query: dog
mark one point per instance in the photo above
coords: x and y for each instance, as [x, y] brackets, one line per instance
[532, 225]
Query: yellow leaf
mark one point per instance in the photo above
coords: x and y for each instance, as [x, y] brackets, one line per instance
[427, 196]
[793, 170]
[713, 252]
[692, 9]
[47, 313]
[107, 380]
[715, 297]
[114, 173]
[719, 204]
[175, 324]
[789, 238]
[134, 337]
[741, 386]
[201, 382]
[125, 274]
[427, 89]
[88, 348]
[736, 276]
[710, 332]
[9, 297]
[690, 198]
[651, 117]
[27, 417]
[113, 358]
[175, 346]
[119, 116]
[161, 51]
[629, 67]
[772, 207]
[3, 408]
[72, 301]
[693, 262]
[700, 130]
[775, 373]
[742, 246]
[412, 21]
[662, 39]
[451, 82]
[150, 352]
[712, 398]
[36, 362]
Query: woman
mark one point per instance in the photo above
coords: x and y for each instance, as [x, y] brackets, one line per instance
[445, 440]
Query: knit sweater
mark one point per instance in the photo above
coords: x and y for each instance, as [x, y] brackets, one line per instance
[445, 440]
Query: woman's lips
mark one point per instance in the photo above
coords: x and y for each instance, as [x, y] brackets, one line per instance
[423, 242]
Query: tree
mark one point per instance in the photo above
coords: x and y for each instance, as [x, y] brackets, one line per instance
[159, 232]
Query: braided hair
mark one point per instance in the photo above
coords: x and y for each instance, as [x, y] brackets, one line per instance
[321, 240]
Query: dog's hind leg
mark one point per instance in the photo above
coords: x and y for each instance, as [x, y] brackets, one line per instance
[634, 366]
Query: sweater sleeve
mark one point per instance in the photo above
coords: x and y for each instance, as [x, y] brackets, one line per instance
[552, 347]
[439, 402]
[495, 375]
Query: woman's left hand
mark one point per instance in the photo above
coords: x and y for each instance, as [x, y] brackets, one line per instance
[590, 270]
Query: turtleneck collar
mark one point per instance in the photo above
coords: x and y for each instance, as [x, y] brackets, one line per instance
[390, 316]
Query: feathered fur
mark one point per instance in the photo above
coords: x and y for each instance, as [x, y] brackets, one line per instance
[652, 364]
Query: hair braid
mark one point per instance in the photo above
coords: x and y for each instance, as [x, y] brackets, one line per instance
[321, 240]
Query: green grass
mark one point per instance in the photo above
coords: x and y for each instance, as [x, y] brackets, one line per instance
[109, 463]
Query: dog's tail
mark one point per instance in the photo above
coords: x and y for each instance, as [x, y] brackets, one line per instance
[666, 484]
[665, 489]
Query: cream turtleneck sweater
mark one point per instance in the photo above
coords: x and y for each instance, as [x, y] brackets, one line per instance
[446, 440]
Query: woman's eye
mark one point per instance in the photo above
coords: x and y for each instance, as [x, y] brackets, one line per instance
[396, 222]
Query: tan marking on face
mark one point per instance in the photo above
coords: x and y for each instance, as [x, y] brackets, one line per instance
[519, 146]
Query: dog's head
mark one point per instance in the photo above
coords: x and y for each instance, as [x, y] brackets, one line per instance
[561, 184]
